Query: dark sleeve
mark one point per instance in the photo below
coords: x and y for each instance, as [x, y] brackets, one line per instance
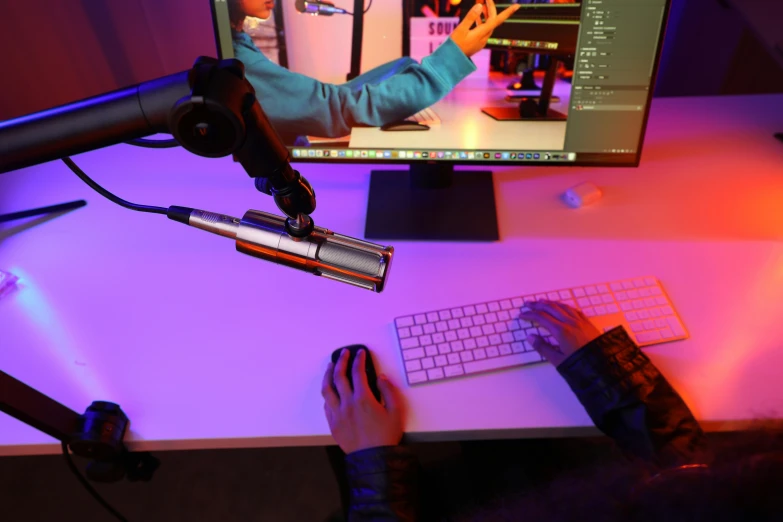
[383, 484]
[629, 400]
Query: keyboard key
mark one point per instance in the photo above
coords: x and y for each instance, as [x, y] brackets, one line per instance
[505, 305]
[475, 331]
[435, 373]
[440, 360]
[626, 306]
[591, 290]
[507, 337]
[438, 338]
[638, 304]
[431, 350]
[444, 348]
[479, 353]
[643, 314]
[404, 333]
[602, 289]
[466, 322]
[579, 292]
[424, 340]
[596, 300]
[413, 365]
[600, 310]
[520, 335]
[565, 294]
[469, 344]
[432, 317]
[413, 353]
[660, 300]
[517, 302]
[616, 287]
[518, 347]
[457, 313]
[488, 329]
[501, 362]
[454, 371]
[427, 363]
[675, 325]
[648, 337]
[441, 326]
[454, 324]
[612, 309]
[649, 301]
[666, 333]
[627, 285]
[644, 292]
[667, 310]
[553, 296]
[417, 331]
[514, 314]
[503, 315]
[404, 321]
[479, 320]
[420, 319]
[453, 358]
[500, 327]
[637, 326]
[621, 296]
[589, 312]
[463, 333]
[650, 281]
[540, 297]
[633, 294]
[583, 302]
[429, 328]
[632, 316]
[505, 349]
[656, 291]
[481, 309]
[661, 323]
[649, 325]
[417, 377]
[466, 356]
[445, 315]
[451, 335]
[469, 310]
[410, 342]
[606, 299]
[494, 306]
[638, 283]
[483, 342]
[491, 317]
[495, 339]
[492, 351]
[655, 312]
[457, 346]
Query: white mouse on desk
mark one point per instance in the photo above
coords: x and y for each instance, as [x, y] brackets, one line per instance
[582, 195]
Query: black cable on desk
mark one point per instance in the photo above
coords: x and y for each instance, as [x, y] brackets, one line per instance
[88, 486]
[108, 195]
[157, 144]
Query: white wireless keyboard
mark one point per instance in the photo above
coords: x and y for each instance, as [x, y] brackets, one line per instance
[485, 337]
[425, 117]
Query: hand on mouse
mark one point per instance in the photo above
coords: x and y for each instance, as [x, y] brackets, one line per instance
[473, 39]
[356, 419]
[570, 328]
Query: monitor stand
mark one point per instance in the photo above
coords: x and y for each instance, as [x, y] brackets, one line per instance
[532, 108]
[430, 202]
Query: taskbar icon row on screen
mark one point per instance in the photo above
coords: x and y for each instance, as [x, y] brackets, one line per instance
[444, 155]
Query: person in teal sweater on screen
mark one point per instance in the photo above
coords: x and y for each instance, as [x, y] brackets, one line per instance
[298, 105]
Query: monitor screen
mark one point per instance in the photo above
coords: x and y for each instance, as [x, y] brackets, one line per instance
[558, 83]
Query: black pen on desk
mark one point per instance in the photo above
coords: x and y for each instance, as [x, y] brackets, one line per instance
[62, 207]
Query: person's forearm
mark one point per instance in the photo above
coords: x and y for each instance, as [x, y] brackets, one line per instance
[628, 399]
[384, 485]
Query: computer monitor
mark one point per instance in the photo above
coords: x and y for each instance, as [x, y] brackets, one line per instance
[599, 61]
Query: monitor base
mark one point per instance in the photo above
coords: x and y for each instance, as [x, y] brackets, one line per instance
[431, 203]
[513, 114]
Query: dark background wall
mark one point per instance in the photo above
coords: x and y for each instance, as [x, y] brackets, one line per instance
[58, 51]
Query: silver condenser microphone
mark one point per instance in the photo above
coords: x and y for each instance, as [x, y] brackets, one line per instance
[322, 252]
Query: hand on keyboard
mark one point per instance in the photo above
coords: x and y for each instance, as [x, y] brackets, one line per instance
[356, 419]
[570, 330]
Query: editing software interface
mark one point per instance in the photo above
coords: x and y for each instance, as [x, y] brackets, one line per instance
[592, 61]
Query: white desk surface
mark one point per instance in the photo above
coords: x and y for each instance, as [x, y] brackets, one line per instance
[464, 126]
[203, 347]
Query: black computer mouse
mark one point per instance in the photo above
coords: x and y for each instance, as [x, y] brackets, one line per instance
[405, 125]
[369, 367]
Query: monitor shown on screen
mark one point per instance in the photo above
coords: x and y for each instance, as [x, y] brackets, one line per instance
[590, 70]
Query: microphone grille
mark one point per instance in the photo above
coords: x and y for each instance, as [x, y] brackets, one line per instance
[350, 258]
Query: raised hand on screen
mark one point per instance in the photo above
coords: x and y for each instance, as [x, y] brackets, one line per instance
[473, 39]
